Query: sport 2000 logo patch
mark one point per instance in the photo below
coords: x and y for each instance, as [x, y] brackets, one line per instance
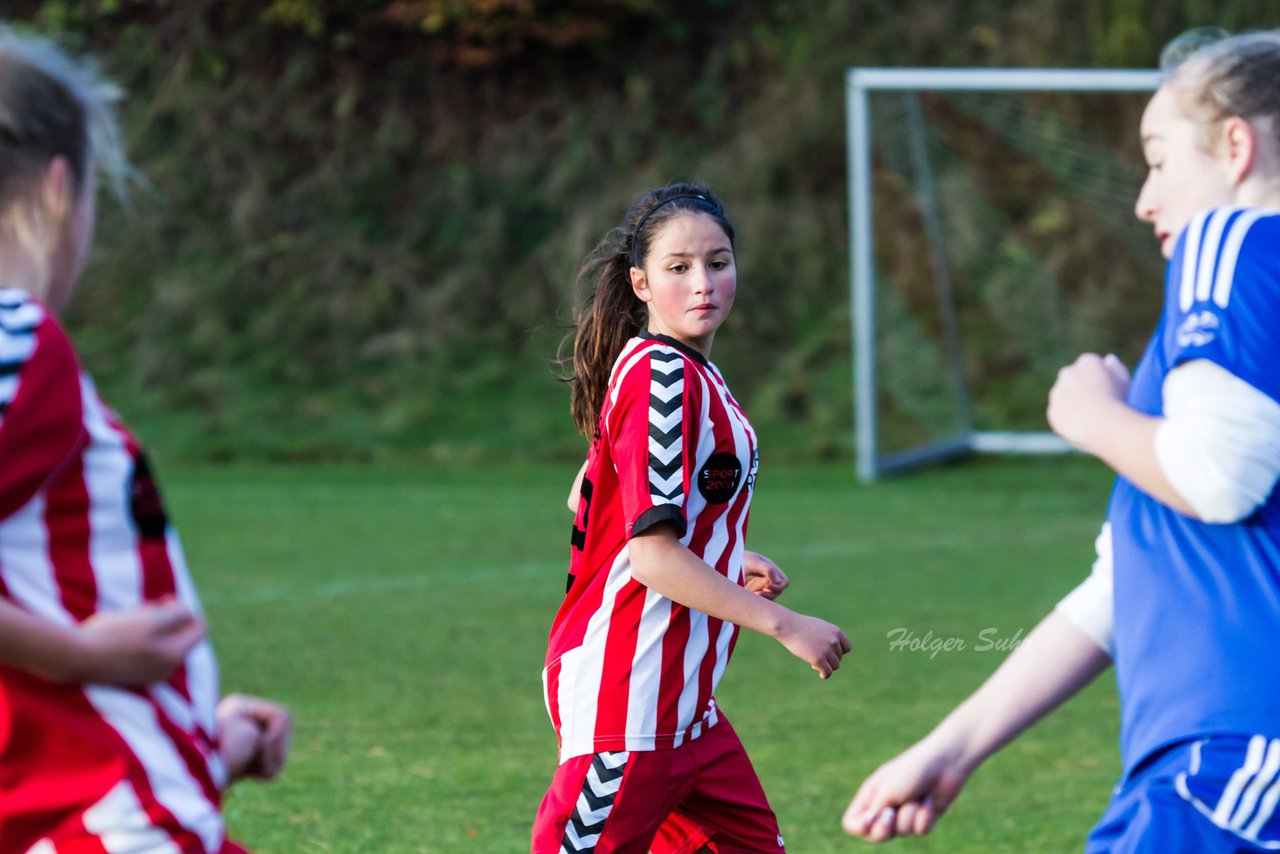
[718, 481]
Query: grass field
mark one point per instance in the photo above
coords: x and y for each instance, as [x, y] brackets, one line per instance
[402, 614]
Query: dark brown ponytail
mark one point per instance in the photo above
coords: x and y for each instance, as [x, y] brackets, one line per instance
[609, 313]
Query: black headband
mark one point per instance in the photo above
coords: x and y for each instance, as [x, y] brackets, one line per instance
[635, 261]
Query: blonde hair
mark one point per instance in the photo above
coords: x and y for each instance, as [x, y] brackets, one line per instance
[51, 106]
[1222, 75]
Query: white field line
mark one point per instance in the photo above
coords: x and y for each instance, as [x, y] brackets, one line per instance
[554, 571]
[391, 583]
[953, 540]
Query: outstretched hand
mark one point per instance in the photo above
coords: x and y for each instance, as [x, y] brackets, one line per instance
[762, 576]
[137, 646]
[816, 641]
[254, 736]
[906, 795]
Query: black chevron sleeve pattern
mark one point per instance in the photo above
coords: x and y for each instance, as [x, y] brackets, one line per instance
[666, 439]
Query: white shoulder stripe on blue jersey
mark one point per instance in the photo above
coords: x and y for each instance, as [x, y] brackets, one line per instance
[1208, 250]
[1211, 252]
[1231, 254]
[1190, 257]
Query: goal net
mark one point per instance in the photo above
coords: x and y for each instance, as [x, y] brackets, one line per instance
[993, 240]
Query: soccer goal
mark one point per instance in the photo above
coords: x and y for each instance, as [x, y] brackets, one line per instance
[993, 240]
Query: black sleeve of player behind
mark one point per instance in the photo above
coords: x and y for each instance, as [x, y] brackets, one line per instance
[660, 513]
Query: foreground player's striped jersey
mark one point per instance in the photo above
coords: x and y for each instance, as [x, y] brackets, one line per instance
[82, 531]
[627, 668]
[1197, 605]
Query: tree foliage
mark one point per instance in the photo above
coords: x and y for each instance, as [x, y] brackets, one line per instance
[358, 220]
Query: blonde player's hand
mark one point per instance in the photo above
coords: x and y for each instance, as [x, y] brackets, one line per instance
[1081, 395]
[254, 736]
[906, 795]
[137, 646]
[762, 576]
[818, 642]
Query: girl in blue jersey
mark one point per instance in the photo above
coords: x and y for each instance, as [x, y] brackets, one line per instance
[1185, 596]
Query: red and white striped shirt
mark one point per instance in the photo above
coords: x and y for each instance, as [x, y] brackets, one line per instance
[628, 668]
[82, 530]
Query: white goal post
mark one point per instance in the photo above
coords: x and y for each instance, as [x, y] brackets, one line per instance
[872, 460]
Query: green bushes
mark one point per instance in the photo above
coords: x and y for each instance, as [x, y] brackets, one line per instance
[358, 222]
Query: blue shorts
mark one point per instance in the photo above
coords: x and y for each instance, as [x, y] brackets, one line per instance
[1217, 795]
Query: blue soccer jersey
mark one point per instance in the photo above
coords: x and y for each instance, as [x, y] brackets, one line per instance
[1197, 605]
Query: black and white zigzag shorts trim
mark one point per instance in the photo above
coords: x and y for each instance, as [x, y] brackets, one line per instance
[599, 791]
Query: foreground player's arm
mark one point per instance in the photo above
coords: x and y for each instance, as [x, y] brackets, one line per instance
[662, 563]
[253, 736]
[1087, 408]
[908, 793]
[1090, 607]
[1214, 455]
[133, 647]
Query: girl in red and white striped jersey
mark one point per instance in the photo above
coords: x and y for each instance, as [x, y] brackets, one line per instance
[86, 765]
[657, 583]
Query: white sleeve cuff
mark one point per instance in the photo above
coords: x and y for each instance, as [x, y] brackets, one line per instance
[1219, 443]
[1090, 607]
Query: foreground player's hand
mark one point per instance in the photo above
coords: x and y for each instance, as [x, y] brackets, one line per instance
[137, 646]
[254, 736]
[906, 795]
[762, 576]
[1082, 396]
[818, 642]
